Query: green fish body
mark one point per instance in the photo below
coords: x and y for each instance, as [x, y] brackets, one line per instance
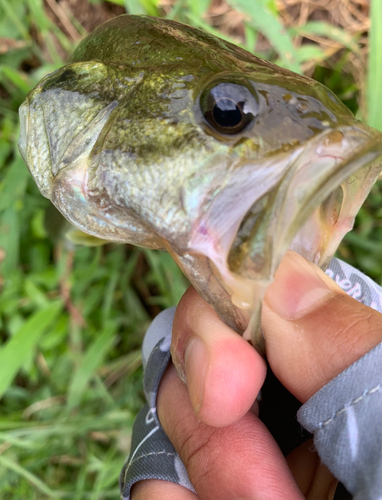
[163, 136]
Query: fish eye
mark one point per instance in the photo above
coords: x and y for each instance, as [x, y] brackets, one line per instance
[228, 108]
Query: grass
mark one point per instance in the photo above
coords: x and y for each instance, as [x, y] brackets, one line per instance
[72, 318]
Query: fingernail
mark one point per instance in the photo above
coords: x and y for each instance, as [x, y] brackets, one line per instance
[196, 363]
[297, 288]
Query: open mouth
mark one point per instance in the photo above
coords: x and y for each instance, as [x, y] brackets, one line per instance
[308, 206]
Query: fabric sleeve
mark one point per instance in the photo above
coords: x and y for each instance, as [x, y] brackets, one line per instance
[345, 418]
[152, 455]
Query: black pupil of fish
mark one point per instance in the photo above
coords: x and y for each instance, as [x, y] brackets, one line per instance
[227, 114]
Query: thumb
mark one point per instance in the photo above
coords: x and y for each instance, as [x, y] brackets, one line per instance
[313, 329]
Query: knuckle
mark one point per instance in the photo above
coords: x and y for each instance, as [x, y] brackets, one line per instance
[353, 331]
[199, 452]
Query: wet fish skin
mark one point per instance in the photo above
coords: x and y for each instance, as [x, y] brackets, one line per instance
[119, 141]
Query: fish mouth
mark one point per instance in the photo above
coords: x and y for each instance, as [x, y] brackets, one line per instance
[329, 210]
[317, 191]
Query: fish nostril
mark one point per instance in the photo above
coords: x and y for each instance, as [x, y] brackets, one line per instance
[331, 207]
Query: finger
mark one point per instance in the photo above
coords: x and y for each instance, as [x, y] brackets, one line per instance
[216, 361]
[155, 489]
[312, 476]
[240, 461]
[313, 329]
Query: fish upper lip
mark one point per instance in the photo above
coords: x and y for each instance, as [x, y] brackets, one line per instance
[359, 146]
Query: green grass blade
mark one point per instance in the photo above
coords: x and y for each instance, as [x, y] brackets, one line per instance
[15, 77]
[374, 81]
[14, 441]
[199, 23]
[38, 15]
[365, 244]
[250, 37]
[198, 7]
[116, 2]
[14, 18]
[9, 240]
[31, 478]
[14, 183]
[310, 52]
[262, 19]
[134, 7]
[327, 30]
[91, 361]
[17, 350]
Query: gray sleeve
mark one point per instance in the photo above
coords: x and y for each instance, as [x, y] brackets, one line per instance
[152, 456]
[356, 284]
[345, 418]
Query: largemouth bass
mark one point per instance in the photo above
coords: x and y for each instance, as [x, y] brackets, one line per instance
[163, 136]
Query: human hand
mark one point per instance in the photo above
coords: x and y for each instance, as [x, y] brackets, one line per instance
[313, 331]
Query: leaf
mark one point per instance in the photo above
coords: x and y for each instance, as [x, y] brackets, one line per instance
[17, 350]
[92, 359]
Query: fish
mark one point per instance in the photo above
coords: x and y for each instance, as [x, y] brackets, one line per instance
[163, 136]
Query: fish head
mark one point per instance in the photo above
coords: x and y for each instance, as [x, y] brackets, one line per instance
[163, 136]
